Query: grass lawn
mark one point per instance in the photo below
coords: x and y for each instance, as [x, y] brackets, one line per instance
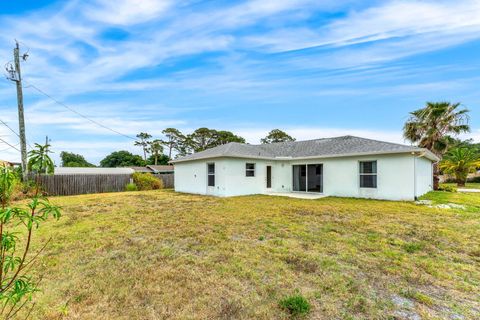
[161, 255]
[468, 185]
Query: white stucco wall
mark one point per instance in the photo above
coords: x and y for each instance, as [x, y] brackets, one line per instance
[395, 179]
[191, 177]
[424, 176]
[395, 176]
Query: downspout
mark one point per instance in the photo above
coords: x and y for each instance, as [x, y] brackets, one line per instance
[414, 177]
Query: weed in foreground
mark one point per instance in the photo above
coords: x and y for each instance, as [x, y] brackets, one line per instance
[296, 305]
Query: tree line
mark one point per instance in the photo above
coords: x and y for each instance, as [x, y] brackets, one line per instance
[174, 144]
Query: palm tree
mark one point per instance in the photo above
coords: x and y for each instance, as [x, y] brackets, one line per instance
[460, 162]
[433, 127]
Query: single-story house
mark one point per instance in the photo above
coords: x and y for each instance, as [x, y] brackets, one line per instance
[156, 169]
[161, 168]
[141, 169]
[344, 166]
[91, 170]
[10, 164]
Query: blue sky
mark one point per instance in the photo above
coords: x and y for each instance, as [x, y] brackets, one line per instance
[313, 68]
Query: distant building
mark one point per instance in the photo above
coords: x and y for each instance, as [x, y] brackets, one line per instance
[85, 170]
[154, 169]
[10, 164]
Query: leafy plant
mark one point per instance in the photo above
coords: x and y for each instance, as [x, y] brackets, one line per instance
[40, 162]
[131, 187]
[16, 281]
[296, 305]
[146, 181]
[460, 162]
[447, 188]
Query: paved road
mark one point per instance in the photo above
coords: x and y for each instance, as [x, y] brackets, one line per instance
[468, 190]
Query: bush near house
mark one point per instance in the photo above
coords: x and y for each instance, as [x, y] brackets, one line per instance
[146, 181]
[447, 188]
[131, 187]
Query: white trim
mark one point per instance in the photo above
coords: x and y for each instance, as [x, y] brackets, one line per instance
[423, 153]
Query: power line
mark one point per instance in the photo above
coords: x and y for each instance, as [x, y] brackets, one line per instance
[6, 125]
[16, 145]
[10, 145]
[78, 113]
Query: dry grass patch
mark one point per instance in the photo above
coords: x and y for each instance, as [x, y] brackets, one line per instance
[161, 255]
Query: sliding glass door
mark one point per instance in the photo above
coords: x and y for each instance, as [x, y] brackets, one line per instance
[308, 178]
[299, 177]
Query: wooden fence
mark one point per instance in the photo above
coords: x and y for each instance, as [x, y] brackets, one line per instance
[167, 179]
[73, 184]
[64, 185]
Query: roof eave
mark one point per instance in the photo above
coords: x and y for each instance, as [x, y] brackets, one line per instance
[426, 153]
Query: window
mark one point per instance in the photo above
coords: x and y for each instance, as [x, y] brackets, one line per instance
[250, 170]
[211, 174]
[368, 174]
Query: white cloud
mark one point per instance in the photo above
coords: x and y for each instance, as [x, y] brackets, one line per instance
[253, 135]
[475, 135]
[125, 12]
[391, 20]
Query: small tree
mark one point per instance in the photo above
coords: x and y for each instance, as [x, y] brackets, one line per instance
[16, 281]
[276, 135]
[173, 139]
[143, 142]
[460, 162]
[155, 149]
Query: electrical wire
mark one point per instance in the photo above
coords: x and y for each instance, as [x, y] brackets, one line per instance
[16, 145]
[78, 113]
[6, 125]
[10, 145]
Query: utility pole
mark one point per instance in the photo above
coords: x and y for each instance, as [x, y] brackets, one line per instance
[21, 120]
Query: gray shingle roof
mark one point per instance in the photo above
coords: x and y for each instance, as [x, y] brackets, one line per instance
[326, 147]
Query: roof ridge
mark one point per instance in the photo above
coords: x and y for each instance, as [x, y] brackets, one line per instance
[388, 142]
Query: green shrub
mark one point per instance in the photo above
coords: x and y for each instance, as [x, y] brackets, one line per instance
[146, 181]
[131, 187]
[296, 305]
[447, 188]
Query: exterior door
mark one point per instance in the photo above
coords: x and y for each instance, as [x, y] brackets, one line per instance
[308, 178]
[210, 178]
[269, 177]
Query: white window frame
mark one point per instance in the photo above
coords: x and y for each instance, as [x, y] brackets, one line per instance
[360, 174]
[250, 170]
[211, 174]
